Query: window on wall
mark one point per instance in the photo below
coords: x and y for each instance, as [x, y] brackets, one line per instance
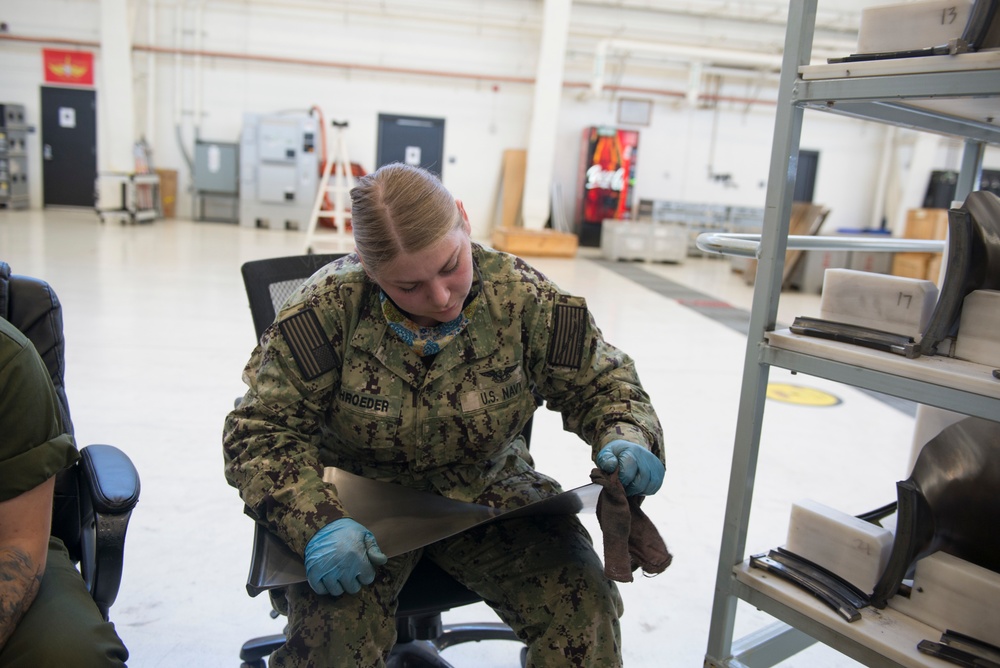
[634, 112]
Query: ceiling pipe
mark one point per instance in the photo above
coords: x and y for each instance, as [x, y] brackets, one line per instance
[179, 86]
[150, 70]
[179, 52]
[837, 25]
[199, 41]
[694, 82]
[687, 53]
[694, 57]
[178, 62]
[58, 41]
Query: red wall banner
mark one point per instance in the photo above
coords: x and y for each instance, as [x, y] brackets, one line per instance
[68, 67]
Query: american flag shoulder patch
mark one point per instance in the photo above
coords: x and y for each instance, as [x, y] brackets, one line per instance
[569, 325]
[308, 343]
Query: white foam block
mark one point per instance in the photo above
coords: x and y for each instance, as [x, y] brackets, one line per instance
[879, 301]
[951, 593]
[856, 550]
[979, 328]
[912, 25]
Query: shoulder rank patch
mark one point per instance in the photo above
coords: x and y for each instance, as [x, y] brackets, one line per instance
[569, 324]
[308, 343]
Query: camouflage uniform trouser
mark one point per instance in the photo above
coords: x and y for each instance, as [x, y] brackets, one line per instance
[540, 574]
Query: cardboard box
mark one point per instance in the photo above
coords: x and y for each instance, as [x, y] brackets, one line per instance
[934, 268]
[168, 192]
[922, 224]
[538, 243]
[926, 224]
[911, 265]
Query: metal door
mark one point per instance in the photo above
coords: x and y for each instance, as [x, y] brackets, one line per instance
[69, 146]
[415, 141]
[805, 176]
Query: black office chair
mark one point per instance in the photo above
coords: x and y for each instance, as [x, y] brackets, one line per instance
[94, 498]
[421, 635]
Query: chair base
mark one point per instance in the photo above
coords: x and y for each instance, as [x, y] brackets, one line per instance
[254, 650]
[416, 654]
[412, 654]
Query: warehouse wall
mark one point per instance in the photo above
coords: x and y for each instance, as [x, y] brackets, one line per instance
[476, 63]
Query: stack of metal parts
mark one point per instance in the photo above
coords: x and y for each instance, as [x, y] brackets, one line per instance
[962, 651]
[840, 595]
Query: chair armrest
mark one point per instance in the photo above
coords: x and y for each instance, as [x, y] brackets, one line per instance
[110, 478]
[109, 490]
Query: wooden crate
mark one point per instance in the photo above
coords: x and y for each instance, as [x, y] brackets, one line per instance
[538, 243]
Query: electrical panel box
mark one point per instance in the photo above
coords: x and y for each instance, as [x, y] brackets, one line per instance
[216, 181]
[216, 167]
[279, 170]
[279, 140]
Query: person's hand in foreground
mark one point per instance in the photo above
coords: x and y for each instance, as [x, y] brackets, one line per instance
[639, 470]
[342, 557]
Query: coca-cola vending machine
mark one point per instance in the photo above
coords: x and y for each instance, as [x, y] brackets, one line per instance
[607, 178]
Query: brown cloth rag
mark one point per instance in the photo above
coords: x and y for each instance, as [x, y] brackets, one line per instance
[630, 539]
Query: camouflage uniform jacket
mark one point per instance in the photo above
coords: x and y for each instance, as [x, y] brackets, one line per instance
[331, 385]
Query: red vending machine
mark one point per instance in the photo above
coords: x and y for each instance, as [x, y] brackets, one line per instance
[607, 178]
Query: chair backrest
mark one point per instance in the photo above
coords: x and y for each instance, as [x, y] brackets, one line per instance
[31, 305]
[271, 281]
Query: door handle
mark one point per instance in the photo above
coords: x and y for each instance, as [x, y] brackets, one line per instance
[47, 151]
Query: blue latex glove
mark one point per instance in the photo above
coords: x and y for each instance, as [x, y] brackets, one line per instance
[341, 557]
[639, 470]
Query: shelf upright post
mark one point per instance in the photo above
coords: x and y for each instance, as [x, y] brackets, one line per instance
[767, 289]
[971, 172]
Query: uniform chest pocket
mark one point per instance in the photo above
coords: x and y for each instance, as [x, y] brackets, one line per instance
[366, 426]
[482, 422]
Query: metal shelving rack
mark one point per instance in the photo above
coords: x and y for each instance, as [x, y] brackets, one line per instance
[13, 157]
[881, 637]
